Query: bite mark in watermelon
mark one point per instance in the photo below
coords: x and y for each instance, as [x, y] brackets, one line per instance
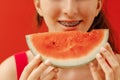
[69, 48]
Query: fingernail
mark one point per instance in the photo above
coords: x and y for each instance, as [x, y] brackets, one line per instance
[37, 56]
[103, 49]
[92, 67]
[91, 64]
[47, 62]
[56, 70]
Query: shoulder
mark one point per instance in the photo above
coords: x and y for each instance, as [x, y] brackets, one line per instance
[8, 68]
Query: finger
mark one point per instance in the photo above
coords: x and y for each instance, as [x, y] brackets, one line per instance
[38, 71]
[94, 71]
[108, 47]
[51, 75]
[29, 68]
[48, 70]
[106, 68]
[112, 60]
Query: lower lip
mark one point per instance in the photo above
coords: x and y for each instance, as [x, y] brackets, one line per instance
[68, 28]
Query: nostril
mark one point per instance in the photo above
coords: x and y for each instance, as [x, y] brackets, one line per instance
[70, 11]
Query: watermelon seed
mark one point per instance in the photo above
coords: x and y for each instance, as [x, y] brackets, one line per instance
[53, 43]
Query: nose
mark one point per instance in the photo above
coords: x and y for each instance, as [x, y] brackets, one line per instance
[70, 8]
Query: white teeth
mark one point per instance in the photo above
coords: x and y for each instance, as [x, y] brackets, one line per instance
[69, 24]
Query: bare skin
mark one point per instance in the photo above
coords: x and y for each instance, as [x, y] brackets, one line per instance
[80, 15]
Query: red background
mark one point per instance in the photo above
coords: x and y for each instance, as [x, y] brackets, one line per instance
[17, 18]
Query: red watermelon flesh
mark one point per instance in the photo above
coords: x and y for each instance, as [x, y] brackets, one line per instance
[69, 48]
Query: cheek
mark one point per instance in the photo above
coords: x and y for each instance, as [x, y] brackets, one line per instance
[88, 17]
[89, 13]
[51, 11]
[88, 9]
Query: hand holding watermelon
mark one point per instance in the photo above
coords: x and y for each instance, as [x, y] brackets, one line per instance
[108, 67]
[38, 70]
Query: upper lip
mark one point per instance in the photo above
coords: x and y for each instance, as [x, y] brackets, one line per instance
[70, 23]
[68, 20]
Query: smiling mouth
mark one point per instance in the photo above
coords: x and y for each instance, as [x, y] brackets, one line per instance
[69, 23]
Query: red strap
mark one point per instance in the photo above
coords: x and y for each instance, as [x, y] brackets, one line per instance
[21, 62]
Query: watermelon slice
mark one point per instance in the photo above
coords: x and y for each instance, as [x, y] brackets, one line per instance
[69, 48]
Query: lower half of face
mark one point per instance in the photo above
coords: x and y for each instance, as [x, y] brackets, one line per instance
[67, 16]
[80, 20]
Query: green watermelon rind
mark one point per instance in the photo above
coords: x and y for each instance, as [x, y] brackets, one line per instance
[71, 62]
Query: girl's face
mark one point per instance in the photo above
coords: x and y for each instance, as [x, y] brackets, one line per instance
[66, 15]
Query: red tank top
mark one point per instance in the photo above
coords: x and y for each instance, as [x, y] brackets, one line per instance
[21, 61]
